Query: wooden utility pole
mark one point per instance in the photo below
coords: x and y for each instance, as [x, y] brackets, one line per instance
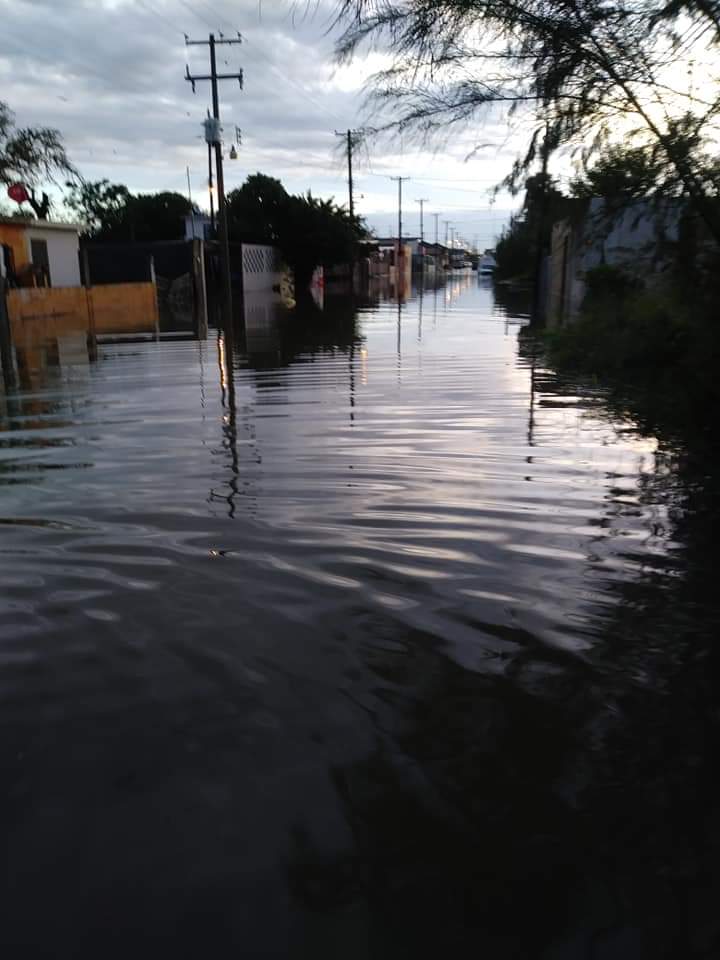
[422, 201]
[216, 141]
[350, 135]
[437, 217]
[211, 190]
[400, 181]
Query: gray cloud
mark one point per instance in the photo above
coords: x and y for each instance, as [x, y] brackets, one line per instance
[109, 75]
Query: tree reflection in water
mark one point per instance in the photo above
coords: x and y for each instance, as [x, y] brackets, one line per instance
[566, 808]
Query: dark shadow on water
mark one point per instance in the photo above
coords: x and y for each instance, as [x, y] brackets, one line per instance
[566, 809]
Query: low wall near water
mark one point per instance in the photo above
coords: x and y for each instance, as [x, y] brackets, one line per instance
[37, 313]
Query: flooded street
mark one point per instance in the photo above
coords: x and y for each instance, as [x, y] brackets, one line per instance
[374, 637]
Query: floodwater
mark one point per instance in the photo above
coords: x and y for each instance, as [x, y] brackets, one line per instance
[368, 638]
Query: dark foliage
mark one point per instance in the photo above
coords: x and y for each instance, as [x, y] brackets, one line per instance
[581, 73]
[309, 232]
[114, 215]
[32, 156]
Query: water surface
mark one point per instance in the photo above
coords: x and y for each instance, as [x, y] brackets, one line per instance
[363, 636]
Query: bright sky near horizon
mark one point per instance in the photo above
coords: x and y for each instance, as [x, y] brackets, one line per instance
[110, 75]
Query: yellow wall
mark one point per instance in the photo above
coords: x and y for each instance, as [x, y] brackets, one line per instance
[14, 236]
[42, 313]
[125, 308]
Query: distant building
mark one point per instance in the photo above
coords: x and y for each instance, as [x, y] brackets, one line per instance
[198, 226]
[387, 248]
[39, 253]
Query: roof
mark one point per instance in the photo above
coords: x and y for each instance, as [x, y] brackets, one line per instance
[32, 223]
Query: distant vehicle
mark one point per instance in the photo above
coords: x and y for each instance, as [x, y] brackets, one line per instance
[459, 260]
[488, 264]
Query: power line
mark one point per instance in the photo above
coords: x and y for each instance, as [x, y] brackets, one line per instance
[302, 90]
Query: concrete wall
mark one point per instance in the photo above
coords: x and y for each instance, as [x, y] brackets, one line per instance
[63, 246]
[641, 239]
[42, 313]
[124, 308]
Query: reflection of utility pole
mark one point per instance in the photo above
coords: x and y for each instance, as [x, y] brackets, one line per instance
[213, 136]
[229, 426]
[420, 312]
[422, 201]
[350, 134]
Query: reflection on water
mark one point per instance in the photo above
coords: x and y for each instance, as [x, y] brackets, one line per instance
[362, 636]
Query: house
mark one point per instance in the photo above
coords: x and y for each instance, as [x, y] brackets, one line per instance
[39, 253]
[389, 251]
[199, 226]
[45, 299]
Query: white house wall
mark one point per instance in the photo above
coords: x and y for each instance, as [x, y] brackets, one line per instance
[62, 246]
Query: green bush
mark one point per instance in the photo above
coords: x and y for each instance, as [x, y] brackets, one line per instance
[660, 341]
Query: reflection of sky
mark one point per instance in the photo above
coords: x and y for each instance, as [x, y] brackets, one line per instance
[414, 468]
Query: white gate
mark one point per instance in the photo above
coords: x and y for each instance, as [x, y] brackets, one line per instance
[261, 267]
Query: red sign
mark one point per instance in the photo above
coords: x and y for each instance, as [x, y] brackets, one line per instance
[18, 193]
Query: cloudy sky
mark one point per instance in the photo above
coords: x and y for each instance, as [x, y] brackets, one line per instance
[109, 74]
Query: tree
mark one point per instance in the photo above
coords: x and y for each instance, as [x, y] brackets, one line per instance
[517, 249]
[619, 174]
[580, 71]
[318, 233]
[257, 210]
[114, 215]
[624, 172]
[101, 206]
[309, 232]
[33, 156]
[157, 216]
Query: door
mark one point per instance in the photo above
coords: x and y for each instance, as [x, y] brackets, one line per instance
[39, 256]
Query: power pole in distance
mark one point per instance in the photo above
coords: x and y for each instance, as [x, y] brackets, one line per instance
[400, 181]
[213, 77]
[350, 135]
[447, 225]
[422, 201]
[437, 217]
